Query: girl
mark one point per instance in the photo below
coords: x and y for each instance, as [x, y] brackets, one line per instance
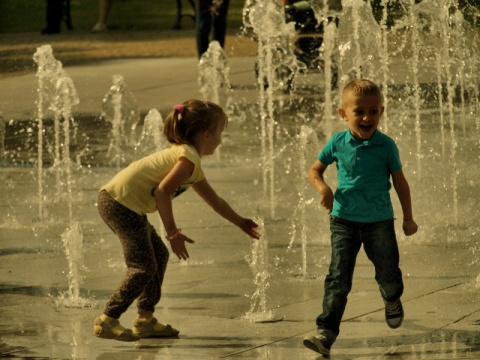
[194, 129]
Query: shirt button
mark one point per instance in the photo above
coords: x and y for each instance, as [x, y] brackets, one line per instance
[358, 158]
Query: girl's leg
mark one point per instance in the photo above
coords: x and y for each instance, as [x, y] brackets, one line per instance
[133, 232]
[153, 291]
[380, 244]
[146, 325]
[338, 283]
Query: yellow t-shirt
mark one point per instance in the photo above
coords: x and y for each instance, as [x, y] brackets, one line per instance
[133, 186]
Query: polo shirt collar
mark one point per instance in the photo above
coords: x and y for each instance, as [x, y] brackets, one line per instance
[376, 138]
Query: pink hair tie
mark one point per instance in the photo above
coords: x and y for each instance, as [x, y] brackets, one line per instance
[180, 108]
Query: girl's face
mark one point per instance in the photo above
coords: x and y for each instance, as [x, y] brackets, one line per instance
[213, 138]
[362, 114]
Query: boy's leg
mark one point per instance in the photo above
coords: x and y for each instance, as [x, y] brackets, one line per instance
[380, 244]
[381, 247]
[338, 283]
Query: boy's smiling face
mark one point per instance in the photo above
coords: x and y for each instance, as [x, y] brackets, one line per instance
[362, 114]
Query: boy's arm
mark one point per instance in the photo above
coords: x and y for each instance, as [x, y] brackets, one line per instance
[403, 191]
[208, 194]
[315, 176]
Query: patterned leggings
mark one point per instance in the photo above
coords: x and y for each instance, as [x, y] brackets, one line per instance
[145, 254]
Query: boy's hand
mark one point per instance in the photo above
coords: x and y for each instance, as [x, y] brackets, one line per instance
[326, 199]
[250, 227]
[178, 246]
[410, 227]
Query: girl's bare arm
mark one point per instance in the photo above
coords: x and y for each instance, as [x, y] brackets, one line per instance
[163, 198]
[208, 194]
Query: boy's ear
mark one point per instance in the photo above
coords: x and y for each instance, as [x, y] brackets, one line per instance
[341, 112]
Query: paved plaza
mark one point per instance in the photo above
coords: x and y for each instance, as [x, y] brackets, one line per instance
[211, 297]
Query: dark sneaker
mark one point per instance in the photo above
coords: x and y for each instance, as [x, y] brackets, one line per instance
[319, 343]
[394, 313]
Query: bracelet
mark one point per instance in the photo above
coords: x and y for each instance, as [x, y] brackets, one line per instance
[174, 235]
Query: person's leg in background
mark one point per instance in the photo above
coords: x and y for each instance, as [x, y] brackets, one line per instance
[104, 7]
[53, 18]
[220, 23]
[203, 24]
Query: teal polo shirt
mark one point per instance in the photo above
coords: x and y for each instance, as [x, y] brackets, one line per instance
[364, 169]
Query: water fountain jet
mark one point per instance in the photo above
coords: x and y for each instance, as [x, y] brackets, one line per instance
[267, 20]
[213, 75]
[121, 109]
[258, 262]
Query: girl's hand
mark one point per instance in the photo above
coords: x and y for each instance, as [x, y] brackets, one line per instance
[410, 227]
[178, 246]
[249, 227]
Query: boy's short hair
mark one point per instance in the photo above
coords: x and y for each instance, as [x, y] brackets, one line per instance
[361, 87]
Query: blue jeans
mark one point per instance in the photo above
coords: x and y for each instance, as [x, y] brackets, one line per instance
[205, 20]
[380, 245]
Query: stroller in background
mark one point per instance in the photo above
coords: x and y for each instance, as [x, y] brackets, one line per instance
[306, 45]
[310, 32]
[309, 37]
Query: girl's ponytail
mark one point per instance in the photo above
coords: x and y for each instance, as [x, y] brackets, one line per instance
[186, 120]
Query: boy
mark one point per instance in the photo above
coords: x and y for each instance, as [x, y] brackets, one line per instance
[361, 211]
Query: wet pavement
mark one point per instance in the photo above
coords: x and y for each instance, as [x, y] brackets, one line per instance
[209, 296]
